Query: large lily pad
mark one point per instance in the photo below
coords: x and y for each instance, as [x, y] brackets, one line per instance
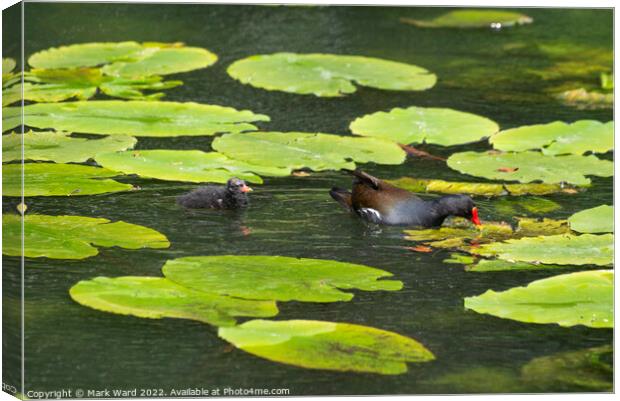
[328, 75]
[50, 179]
[531, 166]
[584, 298]
[277, 277]
[185, 165]
[296, 150]
[327, 345]
[73, 237]
[558, 138]
[138, 118]
[583, 370]
[156, 298]
[60, 147]
[420, 124]
[563, 249]
[85, 55]
[598, 219]
[476, 188]
[473, 19]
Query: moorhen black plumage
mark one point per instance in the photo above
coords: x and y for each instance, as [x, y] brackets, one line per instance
[381, 203]
[233, 195]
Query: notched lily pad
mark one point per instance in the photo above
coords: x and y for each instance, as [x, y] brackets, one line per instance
[327, 345]
[558, 138]
[530, 166]
[438, 126]
[138, 118]
[598, 219]
[185, 165]
[563, 249]
[51, 179]
[317, 151]
[495, 19]
[60, 147]
[583, 298]
[73, 237]
[328, 75]
[156, 298]
[277, 277]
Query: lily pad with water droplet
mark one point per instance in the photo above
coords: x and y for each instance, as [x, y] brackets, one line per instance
[563, 249]
[598, 219]
[277, 277]
[438, 126]
[317, 151]
[328, 75]
[157, 297]
[474, 188]
[185, 165]
[137, 118]
[73, 237]
[51, 179]
[327, 345]
[530, 166]
[473, 19]
[60, 147]
[583, 298]
[558, 138]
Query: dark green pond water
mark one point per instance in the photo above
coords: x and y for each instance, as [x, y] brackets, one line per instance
[70, 346]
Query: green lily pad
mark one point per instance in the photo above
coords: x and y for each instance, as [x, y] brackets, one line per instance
[328, 75]
[438, 126]
[138, 118]
[563, 249]
[584, 298]
[296, 150]
[73, 237]
[530, 166]
[586, 370]
[531, 204]
[185, 165]
[498, 265]
[156, 298]
[326, 345]
[488, 231]
[46, 93]
[277, 277]
[475, 188]
[529, 227]
[473, 19]
[60, 147]
[607, 81]
[8, 65]
[163, 61]
[558, 138]
[85, 55]
[458, 258]
[598, 219]
[50, 179]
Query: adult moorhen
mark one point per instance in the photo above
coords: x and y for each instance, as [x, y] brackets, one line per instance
[381, 203]
[231, 196]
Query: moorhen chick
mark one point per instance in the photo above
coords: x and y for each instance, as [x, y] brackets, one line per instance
[231, 196]
[381, 203]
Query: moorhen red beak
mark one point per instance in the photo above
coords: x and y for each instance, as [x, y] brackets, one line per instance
[378, 202]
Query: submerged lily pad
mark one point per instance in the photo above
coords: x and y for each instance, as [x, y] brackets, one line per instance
[473, 19]
[583, 370]
[328, 75]
[296, 150]
[598, 219]
[156, 298]
[73, 237]
[277, 277]
[439, 126]
[558, 138]
[60, 147]
[326, 345]
[475, 188]
[530, 204]
[584, 298]
[138, 118]
[185, 165]
[51, 179]
[563, 249]
[530, 166]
